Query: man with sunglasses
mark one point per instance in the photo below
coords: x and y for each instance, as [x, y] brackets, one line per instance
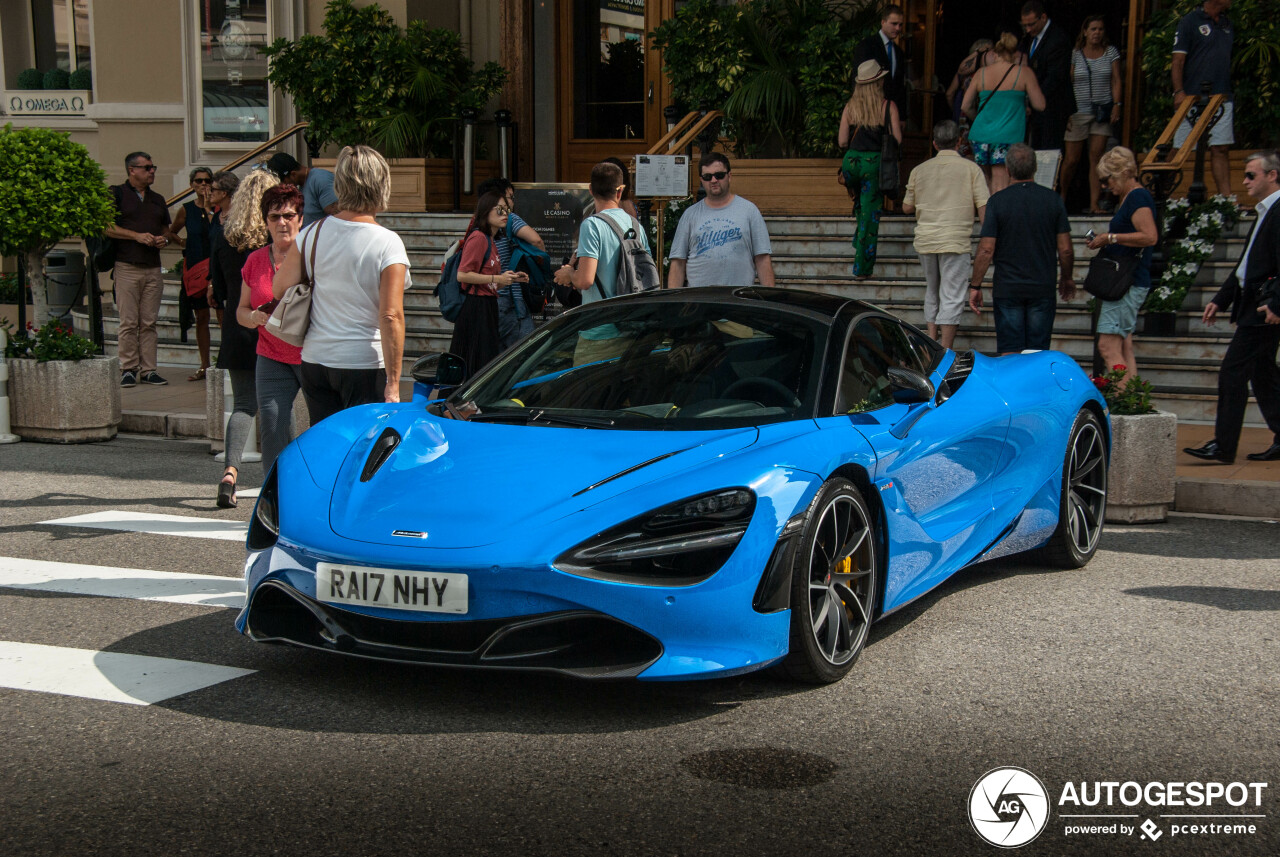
[721, 240]
[1252, 293]
[142, 222]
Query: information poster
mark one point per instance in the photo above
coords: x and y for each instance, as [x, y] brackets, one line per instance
[555, 211]
[662, 175]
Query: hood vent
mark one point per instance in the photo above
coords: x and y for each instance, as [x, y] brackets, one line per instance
[382, 449]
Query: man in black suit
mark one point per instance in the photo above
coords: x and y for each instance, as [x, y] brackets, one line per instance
[1251, 356]
[881, 47]
[1046, 48]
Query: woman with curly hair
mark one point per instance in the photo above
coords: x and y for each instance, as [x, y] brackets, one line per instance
[243, 231]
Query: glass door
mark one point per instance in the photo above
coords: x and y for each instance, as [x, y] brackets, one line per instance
[611, 83]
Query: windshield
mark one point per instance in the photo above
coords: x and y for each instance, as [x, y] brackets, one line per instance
[662, 365]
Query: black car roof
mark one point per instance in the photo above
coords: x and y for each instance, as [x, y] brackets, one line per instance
[824, 304]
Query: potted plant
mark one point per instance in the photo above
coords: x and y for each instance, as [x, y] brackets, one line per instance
[1191, 232]
[367, 80]
[60, 390]
[1144, 448]
[52, 190]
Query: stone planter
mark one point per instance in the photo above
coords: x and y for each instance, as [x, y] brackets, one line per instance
[1141, 478]
[65, 401]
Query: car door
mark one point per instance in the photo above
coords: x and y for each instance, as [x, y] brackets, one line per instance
[934, 461]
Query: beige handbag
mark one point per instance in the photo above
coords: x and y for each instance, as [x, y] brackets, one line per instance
[292, 316]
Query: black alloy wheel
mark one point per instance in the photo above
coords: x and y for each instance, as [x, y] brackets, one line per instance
[1083, 504]
[833, 586]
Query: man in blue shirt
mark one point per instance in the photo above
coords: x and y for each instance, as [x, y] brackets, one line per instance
[318, 196]
[594, 272]
[1202, 54]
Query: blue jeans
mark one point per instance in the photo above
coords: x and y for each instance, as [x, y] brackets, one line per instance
[1024, 323]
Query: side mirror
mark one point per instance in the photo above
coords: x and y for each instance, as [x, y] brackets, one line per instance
[909, 386]
[439, 370]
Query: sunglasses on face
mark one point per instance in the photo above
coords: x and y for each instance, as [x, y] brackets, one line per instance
[1250, 176]
[202, 181]
[283, 216]
[706, 177]
[502, 210]
[151, 168]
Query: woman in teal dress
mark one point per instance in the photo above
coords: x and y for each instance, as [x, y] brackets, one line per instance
[996, 101]
[866, 118]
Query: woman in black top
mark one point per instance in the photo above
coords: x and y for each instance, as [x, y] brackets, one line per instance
[866, 118]
[196, 218]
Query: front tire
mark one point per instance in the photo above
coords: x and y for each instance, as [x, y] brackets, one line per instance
[833, 586]
[1083, 502]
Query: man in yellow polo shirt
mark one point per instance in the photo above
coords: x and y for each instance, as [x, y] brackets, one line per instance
[944, 193]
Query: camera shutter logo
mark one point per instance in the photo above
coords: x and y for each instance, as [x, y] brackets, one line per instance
[1008, 807]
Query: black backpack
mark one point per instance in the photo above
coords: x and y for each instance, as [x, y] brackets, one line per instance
[637, 271]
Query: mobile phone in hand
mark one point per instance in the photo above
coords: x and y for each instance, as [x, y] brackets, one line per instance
[269, 307]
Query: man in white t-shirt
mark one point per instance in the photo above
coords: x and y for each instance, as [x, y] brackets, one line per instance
[594, 271]
[722, 240]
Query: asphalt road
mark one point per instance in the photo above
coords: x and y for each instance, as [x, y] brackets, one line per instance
[1155, 663]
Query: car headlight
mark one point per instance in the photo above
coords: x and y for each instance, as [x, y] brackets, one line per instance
[676, 545]
[264, 528]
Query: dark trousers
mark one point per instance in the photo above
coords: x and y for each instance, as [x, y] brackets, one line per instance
[329, 390]
[1023, 323]
[1250, 360]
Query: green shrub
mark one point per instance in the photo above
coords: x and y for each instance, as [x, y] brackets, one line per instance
[1124, 398]
[57, 79]
[367, 81]
[30, 78]
[54, 341]
[81, 78]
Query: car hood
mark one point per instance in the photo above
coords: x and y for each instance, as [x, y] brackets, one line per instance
[453, 484]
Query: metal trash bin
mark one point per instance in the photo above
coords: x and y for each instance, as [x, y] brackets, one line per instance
[64, 277]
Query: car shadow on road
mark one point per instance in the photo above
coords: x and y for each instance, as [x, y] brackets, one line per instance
[1222, 597]
[1193, 538]
[301, 689]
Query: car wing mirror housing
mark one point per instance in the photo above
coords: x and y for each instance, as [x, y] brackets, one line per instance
[909, 386]
[445, 369]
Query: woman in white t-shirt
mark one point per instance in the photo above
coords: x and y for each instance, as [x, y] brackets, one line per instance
[1096, 79]
[354, 345]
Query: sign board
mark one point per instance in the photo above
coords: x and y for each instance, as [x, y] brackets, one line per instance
[662, 175]
[1047, 161]
[46, 102]
[555, 211]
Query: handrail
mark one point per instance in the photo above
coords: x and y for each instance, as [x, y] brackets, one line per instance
[665, 145]
[300, 126]
[1155, 160]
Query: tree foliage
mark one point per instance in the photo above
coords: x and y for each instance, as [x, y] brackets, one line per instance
[1255, 71]
[779, 69]
[367, 81]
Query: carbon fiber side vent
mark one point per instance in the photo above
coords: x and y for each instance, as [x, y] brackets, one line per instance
[382, 449]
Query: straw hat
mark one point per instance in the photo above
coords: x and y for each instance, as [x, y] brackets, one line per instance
[869, 72]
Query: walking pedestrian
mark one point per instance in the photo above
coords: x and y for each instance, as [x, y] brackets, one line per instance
[140, 230]
[1202, 58]
[1096, 79]
[1252, 295]
[867, 117]
[1132, 232]
[1047, 48]
[999, 113]
[196, 219]
[944, 193]
[1024, 226]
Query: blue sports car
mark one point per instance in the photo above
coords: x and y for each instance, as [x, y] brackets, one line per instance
[679, 484]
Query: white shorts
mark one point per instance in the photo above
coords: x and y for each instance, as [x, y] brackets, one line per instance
[1221, 134]
[946, 277]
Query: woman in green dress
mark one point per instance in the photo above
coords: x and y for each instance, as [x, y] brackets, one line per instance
[866, 118]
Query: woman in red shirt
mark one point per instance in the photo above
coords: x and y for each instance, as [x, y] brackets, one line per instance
[475, 333]
[278, 372]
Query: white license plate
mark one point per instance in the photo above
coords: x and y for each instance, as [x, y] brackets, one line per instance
[423, 591]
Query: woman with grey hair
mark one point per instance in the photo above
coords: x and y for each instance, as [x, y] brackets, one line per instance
[355, 342]
[1132, 233]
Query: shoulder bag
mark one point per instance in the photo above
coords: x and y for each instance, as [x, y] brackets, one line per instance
[889, 156]
[292, 316]
[1110, 277]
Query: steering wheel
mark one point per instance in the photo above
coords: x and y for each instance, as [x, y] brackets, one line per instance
[766, 385]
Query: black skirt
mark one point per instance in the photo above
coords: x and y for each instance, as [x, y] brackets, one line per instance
[475, 333]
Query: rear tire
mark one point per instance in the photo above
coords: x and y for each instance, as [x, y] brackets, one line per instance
[833, 586]
[1082, 506]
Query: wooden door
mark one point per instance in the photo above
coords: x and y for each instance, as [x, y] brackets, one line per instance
[611, 86]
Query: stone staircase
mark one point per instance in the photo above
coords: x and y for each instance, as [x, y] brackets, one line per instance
[814, 253]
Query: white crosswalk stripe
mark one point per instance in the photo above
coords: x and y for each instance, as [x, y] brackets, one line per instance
[108, 676]
[117, 676]
[157, 524]
[204, 589]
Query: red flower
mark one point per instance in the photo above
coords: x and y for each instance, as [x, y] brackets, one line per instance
[1119, 367]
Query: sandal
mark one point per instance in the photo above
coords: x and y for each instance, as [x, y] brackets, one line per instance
[199, 374]
[227, 492]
